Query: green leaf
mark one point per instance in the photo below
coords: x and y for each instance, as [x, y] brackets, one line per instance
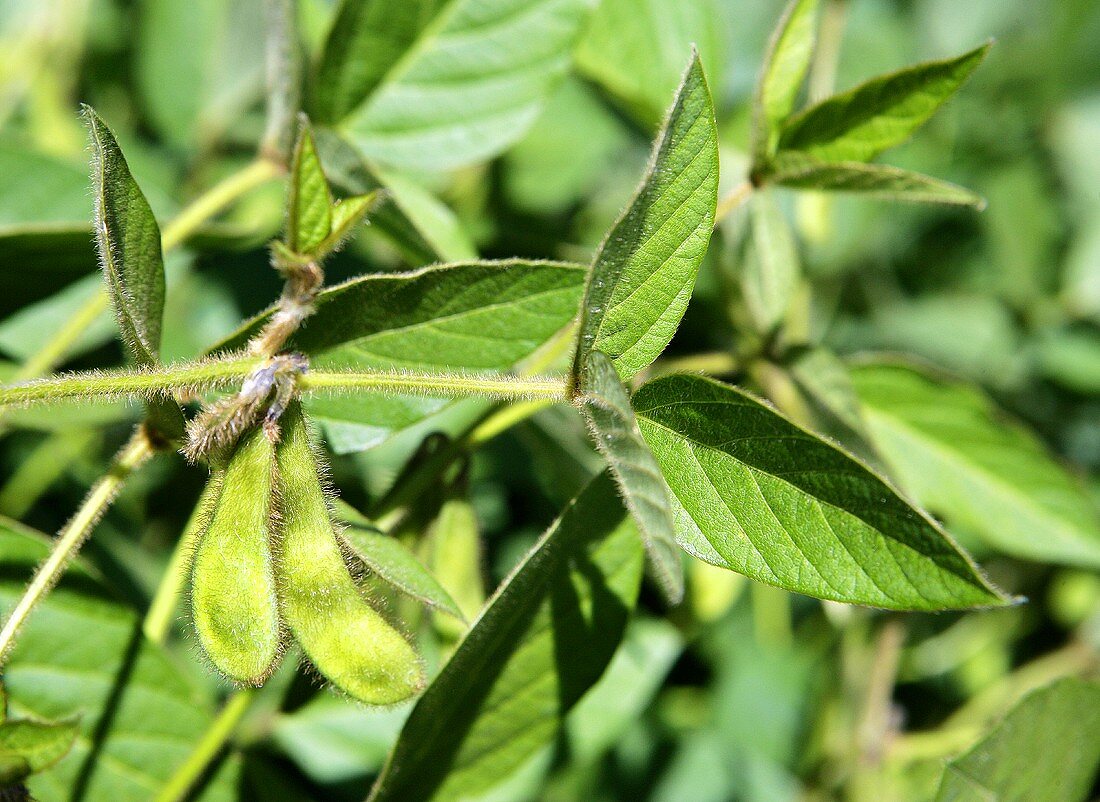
[454, 543]
[963, 458]
[348, 641]
[28, 747]
[1047, 749]
[643, 275]
[606, 406]
[466, 316]
[346, 215]
[444, 103]
[388, 558]
[786, 63]
[140, 716]
[771, 268]
[872, 180]
[636, 51]
[753, 492]
[365, 40]
[431, 217]
[128, 239]
[309, 202]
[859, 124]
[542, 641]
[233, 600]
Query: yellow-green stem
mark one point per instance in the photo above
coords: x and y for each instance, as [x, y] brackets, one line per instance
[501, 387]
[74, 533]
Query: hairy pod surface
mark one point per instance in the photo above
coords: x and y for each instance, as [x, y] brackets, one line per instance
[345, 638]
[233, 600]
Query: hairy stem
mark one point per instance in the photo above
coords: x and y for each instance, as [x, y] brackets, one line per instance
[136, 383]
[213, 740]
[511, 388]
[72, 536]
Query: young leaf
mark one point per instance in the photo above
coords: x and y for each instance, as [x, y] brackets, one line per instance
[442, 103]
[772, 267]
[128, 239]
[347, 640]
[388, 558]
[785, 65]
[346, 215]
[1047, 749]
[872, 180]
[140, 713]
[543, 639]
[309, 202]
[859, 124]
[753, 492]
[644, 273]
[455, 544]
[233, 600]
[28, 747]
[960, 456]
[606, 406]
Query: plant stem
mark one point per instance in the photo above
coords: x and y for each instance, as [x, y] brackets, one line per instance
[72, 536]
[174, 233]
[501, 387]
[213, 740]
[117, 384]
[737, 196]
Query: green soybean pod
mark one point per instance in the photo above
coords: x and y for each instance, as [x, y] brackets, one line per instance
[346, 639]
[233, 600]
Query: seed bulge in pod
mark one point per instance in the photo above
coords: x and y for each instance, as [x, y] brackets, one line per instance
[345, 638]
[233, 598]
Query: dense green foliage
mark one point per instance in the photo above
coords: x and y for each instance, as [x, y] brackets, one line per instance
[365, 295]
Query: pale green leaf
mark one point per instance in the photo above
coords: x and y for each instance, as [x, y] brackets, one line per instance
[140, 716]
[772, 268]
[753, 492]
[346, 215]
[28, 747]
[644, 273]
[544, 638]
[454, 543]
[1046, 749]
[859, 124]
[388, 558]
[364, 41]
[871, 180]
[470, 84]
[786, 63]
[606, 406]
[309, 201]
[964, 459]
[128, 239]
[636, 50]
[431, 217]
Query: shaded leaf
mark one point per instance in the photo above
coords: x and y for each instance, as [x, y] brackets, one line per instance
[1047, 749]
[544, 638]
[455, 558]
[28, 747]
[772, 267]
[444, 103]
[786, 63]
[644, 273]
[606, 406]
[964, 459]
[755, 493]
[388, 558]
[859, 124]
[872, 180]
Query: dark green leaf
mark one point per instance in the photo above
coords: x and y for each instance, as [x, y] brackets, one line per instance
[444, 103]
[859, 124]
[28, 747]
[872, 180]
[755, 493]
[644, 274]
[965, 460]
[785, 65]
[606, 405]
[388, 558]
[140, 715]
[542, 641]
[1047, 749]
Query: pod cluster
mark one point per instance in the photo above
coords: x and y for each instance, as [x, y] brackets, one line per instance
[269, 567]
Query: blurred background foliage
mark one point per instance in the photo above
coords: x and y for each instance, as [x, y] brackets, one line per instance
[745, 692]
